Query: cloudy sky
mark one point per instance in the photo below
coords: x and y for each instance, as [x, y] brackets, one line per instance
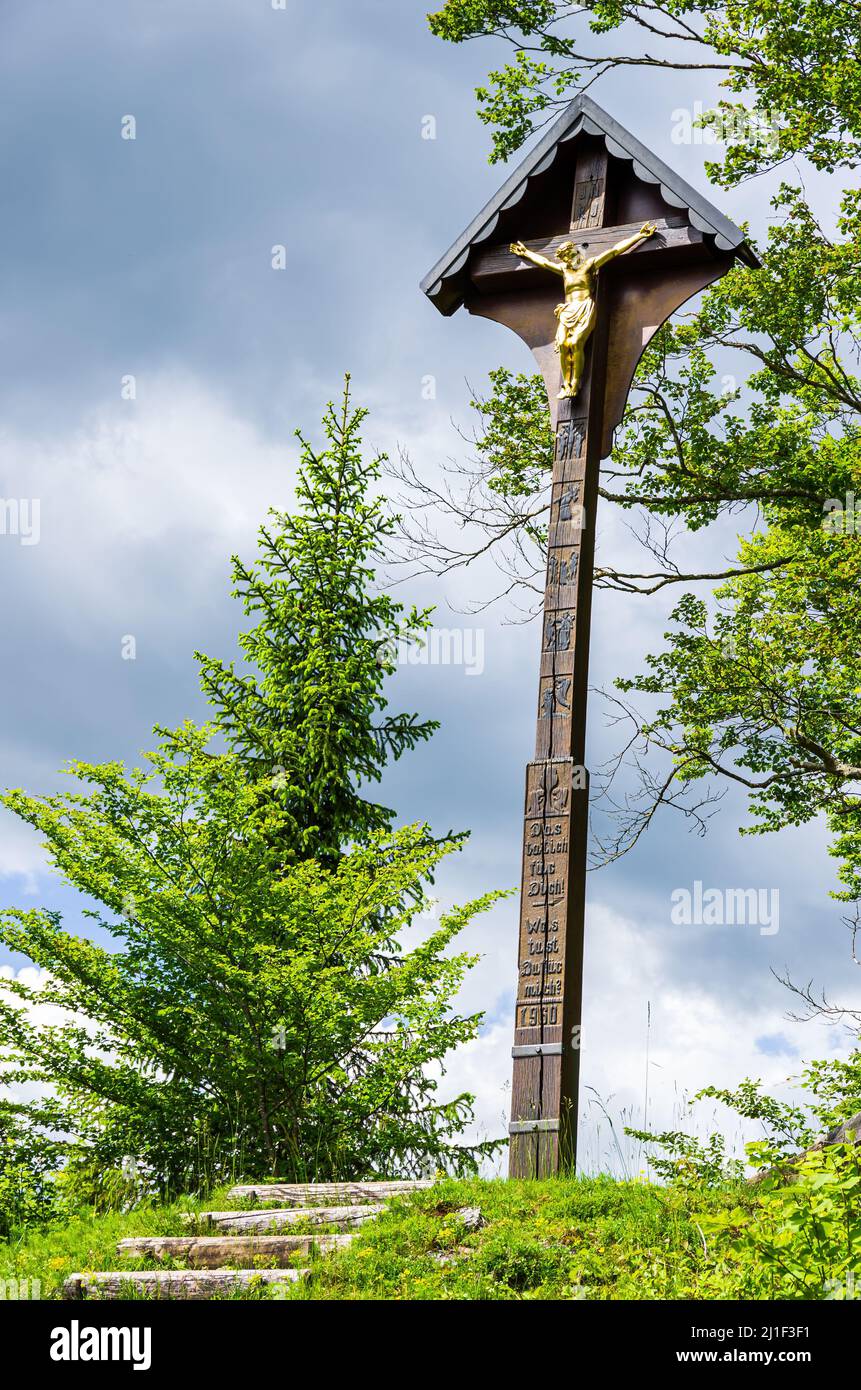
[151, 259]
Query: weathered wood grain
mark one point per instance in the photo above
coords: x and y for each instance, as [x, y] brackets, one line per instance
[315, 1193]
[211, 1252]
[174, 1283]
[273, 1218]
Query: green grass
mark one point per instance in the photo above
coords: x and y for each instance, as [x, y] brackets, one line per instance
[590, 1238]
[587, 1238]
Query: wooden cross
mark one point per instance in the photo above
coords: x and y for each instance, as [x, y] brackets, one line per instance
[601, 166]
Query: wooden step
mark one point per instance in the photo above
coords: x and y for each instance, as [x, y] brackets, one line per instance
[273, 1218]
[331, 1193]
[210, 1252]
[175, 1283]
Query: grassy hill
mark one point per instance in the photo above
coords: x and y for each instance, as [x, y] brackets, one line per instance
[584, 1238]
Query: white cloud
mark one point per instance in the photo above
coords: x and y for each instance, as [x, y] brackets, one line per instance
[44, 1015]
[173, 474]
[21, 854]
[697, 1038]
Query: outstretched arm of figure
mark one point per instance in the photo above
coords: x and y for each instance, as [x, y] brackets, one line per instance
[647, 230]
[517, 248]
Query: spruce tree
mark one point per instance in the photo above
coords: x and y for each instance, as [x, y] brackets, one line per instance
[266, 1008]
[310, 719]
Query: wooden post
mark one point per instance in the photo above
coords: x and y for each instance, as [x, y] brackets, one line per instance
[547, 1025]
[613, 181]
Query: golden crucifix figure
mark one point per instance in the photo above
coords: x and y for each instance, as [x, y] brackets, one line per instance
[577, 315]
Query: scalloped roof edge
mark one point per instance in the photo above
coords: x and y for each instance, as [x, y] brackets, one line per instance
[584, 114]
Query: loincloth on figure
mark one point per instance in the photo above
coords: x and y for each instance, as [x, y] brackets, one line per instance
[576, 319]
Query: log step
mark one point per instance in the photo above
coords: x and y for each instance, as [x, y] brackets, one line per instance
[272, 1218]
[211, 1252]
[176, 1283]
[340, 1193]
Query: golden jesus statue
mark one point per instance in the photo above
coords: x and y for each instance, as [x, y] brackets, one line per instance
[577, 315]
